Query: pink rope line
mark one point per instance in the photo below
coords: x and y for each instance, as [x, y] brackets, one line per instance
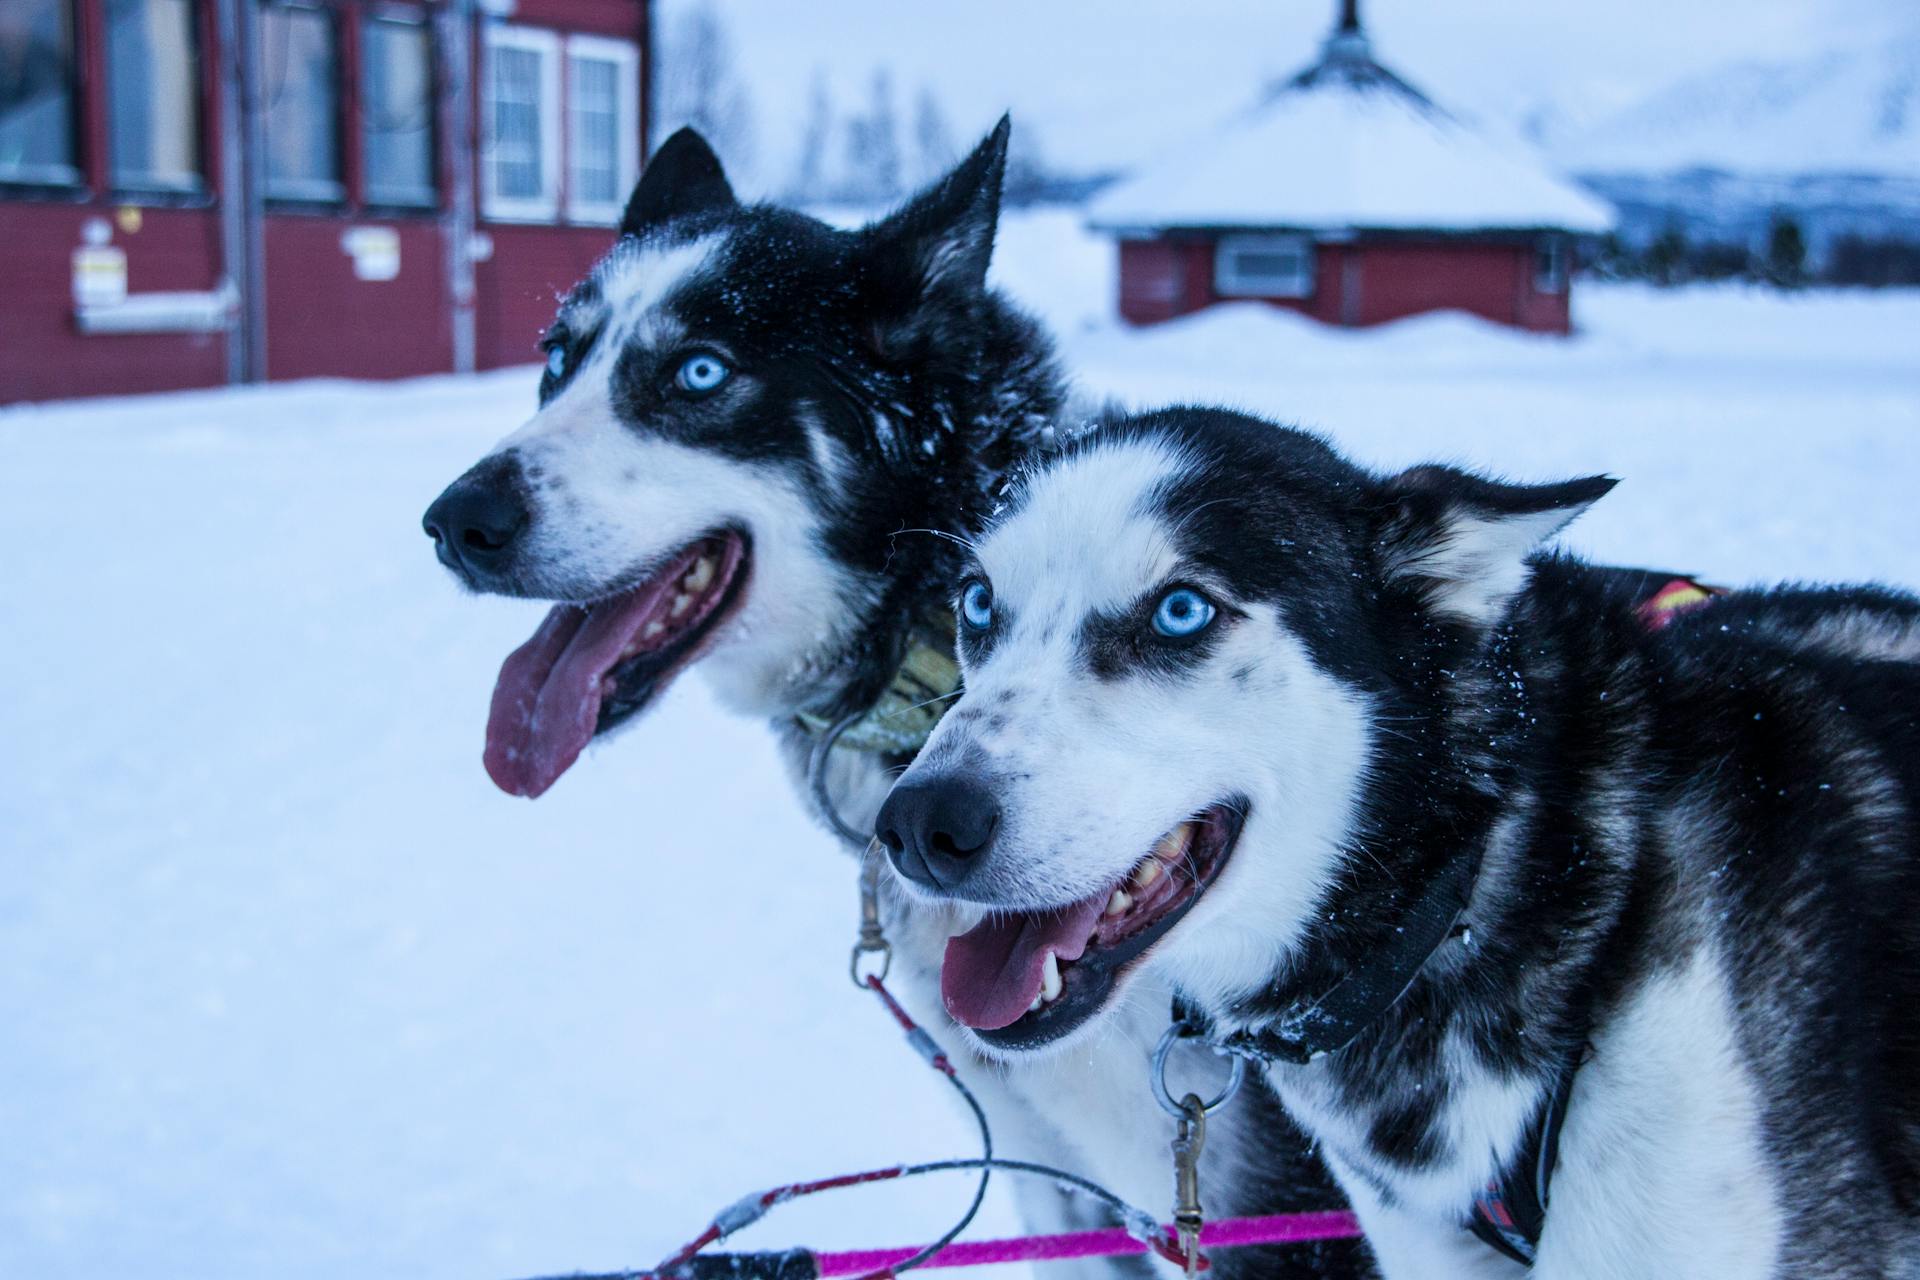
[1110, 1242]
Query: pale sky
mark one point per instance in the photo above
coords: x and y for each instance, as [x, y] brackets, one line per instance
[1108, 82]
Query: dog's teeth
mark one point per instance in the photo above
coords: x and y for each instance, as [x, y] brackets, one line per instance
[681, 603]
[1117, 905]
[1038, 1000]
[1173, 846]
[652, 629]
[1146, 873]
[701, 574]
[1050, 984]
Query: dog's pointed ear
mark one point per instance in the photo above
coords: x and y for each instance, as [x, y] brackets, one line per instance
[939, 244]
[682, 177]
[1463, 541]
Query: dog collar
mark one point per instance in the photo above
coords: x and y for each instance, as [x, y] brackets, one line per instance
[1324, 1024]
[902, 719]
[1511, 1212]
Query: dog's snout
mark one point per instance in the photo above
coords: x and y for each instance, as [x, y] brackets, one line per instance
[475, 522]
[935, 831]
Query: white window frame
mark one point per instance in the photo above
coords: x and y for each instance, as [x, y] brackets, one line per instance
[546, 206]
[1228, 282]
[626, 56]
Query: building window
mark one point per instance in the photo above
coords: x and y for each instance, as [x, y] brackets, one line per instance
[153, 95]
[397, 112]
[522, 115]
[1263, 267]
[603, 127]
[299, 85]
[1550, 265]
[37, 93]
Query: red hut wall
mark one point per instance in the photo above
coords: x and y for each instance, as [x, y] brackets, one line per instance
[520, 285]
[1359, 283]
[1491, 280]
[324, 322]
[1164, 278]
[42, 354]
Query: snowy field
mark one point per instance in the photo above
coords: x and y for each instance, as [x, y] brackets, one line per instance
[288, 989]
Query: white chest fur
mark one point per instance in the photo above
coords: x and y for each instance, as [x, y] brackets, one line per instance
[1661, 1168]
[1661, 1171]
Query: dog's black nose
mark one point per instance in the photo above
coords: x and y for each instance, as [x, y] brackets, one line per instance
[475, 522]
[935, 831]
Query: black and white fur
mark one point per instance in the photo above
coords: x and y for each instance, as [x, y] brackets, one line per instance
[881, 395]
[1697, 874]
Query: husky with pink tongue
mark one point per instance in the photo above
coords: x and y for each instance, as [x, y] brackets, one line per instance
[1011, 964]
[743, 413]
[553, 690]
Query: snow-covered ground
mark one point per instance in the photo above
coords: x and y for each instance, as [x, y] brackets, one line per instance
[287, 988]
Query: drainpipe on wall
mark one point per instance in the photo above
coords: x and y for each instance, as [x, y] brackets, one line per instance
[239, 211]
[455, 27]
[243, 65]
[646, 80]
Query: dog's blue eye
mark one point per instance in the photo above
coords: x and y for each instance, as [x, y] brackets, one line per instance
[1182, 612]
[702, 373]
[557, 362]
[976, 605]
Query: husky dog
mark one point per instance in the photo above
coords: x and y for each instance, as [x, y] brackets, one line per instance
[760, 445]
[1573, 940]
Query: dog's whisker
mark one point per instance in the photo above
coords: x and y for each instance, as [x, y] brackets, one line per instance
[957, 540]
[938, 697]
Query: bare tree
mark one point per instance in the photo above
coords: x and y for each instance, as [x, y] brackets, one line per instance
[1029, 175]
[873, 146]
[932, 139]
[810, 175]
[695, 84]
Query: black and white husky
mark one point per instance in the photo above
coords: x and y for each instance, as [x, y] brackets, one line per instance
[1476, 861]
[760, 444]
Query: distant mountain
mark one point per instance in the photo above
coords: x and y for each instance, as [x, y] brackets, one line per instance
[1851, 111]
[1831, 140]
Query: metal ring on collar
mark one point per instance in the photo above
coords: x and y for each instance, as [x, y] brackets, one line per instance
[882, 949]
[817, 781]
[1164, 1096]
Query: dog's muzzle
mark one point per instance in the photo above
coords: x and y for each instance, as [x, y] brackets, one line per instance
[477, 521]
[937, 831]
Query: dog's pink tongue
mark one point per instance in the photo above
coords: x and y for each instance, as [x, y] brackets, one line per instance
[546, 702]
[992, 971]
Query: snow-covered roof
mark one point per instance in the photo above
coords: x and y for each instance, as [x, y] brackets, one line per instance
[1347, 144]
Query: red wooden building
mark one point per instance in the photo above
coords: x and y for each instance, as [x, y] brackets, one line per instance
[1350, 196]
[195, 192]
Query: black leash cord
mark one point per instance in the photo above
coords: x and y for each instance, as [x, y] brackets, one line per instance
[986, 1163]
[1138, 1222]
[817, 782]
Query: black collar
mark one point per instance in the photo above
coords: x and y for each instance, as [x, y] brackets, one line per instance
[1512, 1211]
[1316, 1025]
